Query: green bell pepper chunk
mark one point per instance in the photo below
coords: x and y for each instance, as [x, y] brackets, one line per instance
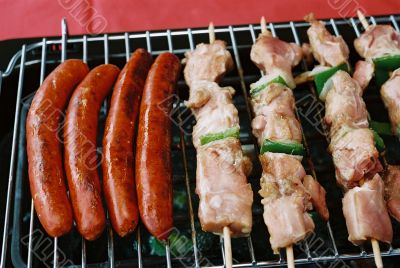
[381, 76]
[180, 199]
[282, 147]
[388, 62]
[179, 243]
[278, 80]
[229, 133]
[321, 78]
[383, 66]
[380, 145]
[381, 128]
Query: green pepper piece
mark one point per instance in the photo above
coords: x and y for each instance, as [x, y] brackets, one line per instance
[157, 248]
[282, 147]
[179, 243]
[321, 78]
[384, 65]
[381, 128]
[180, 199]
[388, 62]
[380, 145]
[381, 76]
[278, 80]
[229, 133]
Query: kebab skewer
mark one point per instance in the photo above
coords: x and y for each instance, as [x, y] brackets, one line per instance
[355, 157]
[222, 169]
[288, 193]
[385, 48]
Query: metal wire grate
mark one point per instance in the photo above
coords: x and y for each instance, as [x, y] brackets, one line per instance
[116, 49]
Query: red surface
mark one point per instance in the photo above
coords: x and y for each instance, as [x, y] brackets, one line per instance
[34, 18]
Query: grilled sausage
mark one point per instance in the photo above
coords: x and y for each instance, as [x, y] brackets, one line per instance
[118, 173]
[153, 153]
[81, 163]
[46, 173]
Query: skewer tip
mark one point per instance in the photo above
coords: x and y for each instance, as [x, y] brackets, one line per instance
[377, 253]
[290, 256]
[362, 19]
[263, 24]
[211, 32]
[227, 247]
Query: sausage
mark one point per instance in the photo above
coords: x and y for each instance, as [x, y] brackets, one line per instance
[46, 173]
[80, 155]
[118, 172]
[153, 152]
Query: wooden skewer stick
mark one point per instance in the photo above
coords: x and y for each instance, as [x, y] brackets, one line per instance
[263, 25]
[377, 253]
[227, 247]
[290, 257]
[289, 249]
[211, 32]
[375, 245]
[226, 231]
[362, 19]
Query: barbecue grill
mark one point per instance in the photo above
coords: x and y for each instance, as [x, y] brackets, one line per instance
[25, 243]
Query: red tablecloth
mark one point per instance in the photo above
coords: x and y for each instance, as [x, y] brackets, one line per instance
[34, 18]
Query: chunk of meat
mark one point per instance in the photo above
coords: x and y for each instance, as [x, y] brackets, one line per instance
[344, 104]
[283, 167]
[274, 115]
[363, 73]
[208, 62]
[276, 57]
[276, 98]
[285, 200]
[390, 93]
[354, 155]
[287, 221]
[276, 127]
[365, 212]
[307, 53]
[317, 193]
[392, 190]
[327, 49]
[225, 196]
[377, 41]
[287, 173]
[213, 109]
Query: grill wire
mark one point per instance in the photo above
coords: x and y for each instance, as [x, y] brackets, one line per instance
[241, 79]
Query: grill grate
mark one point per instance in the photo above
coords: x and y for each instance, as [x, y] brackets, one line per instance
[35, 58]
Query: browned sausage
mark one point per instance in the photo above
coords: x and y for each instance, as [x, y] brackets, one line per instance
[81, 163]
[153, 154]
[46, 173]
[118, 173]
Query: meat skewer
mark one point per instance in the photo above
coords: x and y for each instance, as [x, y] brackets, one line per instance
[222, 169]
[379, 45]
[226, 231]
[347, 117]
[384, 40]
[285, 187]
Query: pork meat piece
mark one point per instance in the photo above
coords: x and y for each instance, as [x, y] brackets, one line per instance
[365, 212]
[225, 196]
[377, 41]
[327, 49]
[390, 93]
[208, 62]
[276, 57]
[392, 190]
